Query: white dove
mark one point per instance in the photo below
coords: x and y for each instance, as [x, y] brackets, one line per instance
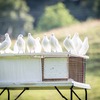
[55, 46]
[77, 42]
[6, 43]
[20, 44]
[68, 44]
[46, 44]
[38, 45]
[15, 49]
[31, 43]
[85, 47]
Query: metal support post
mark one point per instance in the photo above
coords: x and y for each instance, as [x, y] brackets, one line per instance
[2, 91]
[85, 94]
[8, 94]
[72, 91]
[60, 93]
[7, 91]
[21, 93]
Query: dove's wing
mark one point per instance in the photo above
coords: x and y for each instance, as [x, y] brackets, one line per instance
[6, 43]
[3, 45]
[85, 47]
[77, 42]
[69, 46]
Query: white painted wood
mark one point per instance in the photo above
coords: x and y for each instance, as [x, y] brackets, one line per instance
[64, 54]
[46, 85]
[55, 68]
[20, 70]
[27, 68]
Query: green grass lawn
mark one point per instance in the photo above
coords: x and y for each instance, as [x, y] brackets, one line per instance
[90, 29]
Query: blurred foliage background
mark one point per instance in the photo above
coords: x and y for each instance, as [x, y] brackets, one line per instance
[23, 16]
[61, 17]
[55, 16]
[14, 17]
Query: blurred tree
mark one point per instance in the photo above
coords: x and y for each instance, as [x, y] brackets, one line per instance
[37, 7]
[55, 16]
[14, 17]
[96, 8]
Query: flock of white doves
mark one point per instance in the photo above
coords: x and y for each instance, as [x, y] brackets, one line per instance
[73, 45]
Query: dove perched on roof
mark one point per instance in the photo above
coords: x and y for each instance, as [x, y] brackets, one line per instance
[19, 46]
[46, 44]
[31, 43]
[15, 49]
[55, 46]
[68, 44]
[38, 45]
[85, 47]
[77, 42]
[59, 48]
[6, 43]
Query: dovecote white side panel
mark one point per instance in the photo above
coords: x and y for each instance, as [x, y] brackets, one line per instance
[20, 70]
